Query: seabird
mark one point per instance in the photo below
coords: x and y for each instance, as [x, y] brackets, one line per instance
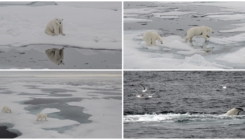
[144, 88]
[140, 95]
[150, 95]
[224, 86]
[234, 111]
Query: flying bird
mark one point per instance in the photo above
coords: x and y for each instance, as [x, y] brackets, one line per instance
[144, 88]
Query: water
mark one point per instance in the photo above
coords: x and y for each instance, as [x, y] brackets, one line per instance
[34, 56]
[186, 105]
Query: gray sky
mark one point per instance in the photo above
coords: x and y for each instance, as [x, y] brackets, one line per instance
[70, 74]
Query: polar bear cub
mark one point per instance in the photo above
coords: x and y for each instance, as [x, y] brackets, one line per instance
[54, 27]
[196, 31]
[6, 109]
[41, 117]
[150, 38]
[55, 55]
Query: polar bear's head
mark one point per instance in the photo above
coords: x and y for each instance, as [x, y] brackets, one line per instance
[58, 21]
[209, 29]
[159, 38]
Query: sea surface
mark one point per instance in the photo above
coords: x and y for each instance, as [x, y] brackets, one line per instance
[185, 104]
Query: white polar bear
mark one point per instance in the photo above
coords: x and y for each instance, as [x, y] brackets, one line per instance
[54, 27]
[196, 31]
[41, 117]
[234, 111]
[55, 55]
[150, 38]
[6, 109]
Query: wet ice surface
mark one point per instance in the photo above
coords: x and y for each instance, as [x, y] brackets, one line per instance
[33, 56]
[186, 105]
[71, 110]
[171, 21]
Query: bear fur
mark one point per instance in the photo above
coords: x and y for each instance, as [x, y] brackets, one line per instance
[41, 116]
[54, 27]
[150, 38]
[6, 109]
[196, 31]
[234, 111]
[55, 55]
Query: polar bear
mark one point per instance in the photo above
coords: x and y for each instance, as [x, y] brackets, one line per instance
[150, 38]
[54, 27]
[234, 111]
[195, 31]
[6, 109]
[55, 55]
[41, 117]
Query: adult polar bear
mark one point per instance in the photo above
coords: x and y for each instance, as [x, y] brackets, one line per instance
[196, 31]
[150, 38]
[54, 27]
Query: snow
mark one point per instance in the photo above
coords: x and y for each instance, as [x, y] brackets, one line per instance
[131, 20]
[103, 114]
[139, 56]
[20, 25]
[228, 17]
[106, 114]
[236, 57]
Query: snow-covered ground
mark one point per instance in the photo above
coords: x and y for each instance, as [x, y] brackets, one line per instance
[76, 108]
[223, 50]
[91, 25]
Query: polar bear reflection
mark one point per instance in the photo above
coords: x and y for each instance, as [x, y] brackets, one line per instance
[55, 55]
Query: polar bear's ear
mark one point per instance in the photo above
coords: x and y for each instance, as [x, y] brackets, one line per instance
[61, 19]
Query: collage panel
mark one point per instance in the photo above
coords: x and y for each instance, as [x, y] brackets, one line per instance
[61, 35]
[184, 104]
[61, 104]
[184, 35]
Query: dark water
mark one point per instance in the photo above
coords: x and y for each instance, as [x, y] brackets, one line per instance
[186, 105]
[33, 56]
[75, 113]
[6, 131]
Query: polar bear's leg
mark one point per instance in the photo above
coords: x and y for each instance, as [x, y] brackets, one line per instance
[153, 40]
[45, 118]
[61, 29]
[48, 32]
[56, 30]
[187, 38]
[191, 39]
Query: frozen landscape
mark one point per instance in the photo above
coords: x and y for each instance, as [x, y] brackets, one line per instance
[188, 104]
[77, 104]
[171, 21]
[93, 34]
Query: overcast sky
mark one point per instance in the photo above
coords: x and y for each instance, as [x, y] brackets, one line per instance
[60, 74]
